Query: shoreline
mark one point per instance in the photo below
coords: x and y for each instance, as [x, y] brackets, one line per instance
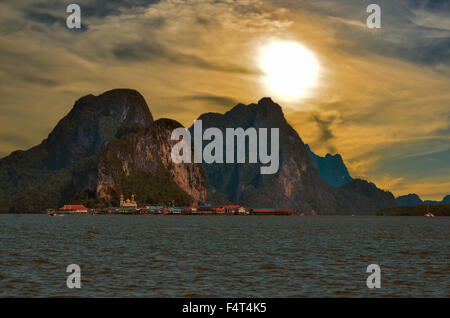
[237, 215]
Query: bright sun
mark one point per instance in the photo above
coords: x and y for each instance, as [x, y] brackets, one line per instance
[291, 70]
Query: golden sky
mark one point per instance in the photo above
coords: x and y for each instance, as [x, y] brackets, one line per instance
[382, 99]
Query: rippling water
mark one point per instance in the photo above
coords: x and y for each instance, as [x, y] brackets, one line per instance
[224, 256]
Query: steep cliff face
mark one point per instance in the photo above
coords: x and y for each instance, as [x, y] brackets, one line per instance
[297, 183]
[189, 177]
[41, 177]
[140, 163]
[331, 168]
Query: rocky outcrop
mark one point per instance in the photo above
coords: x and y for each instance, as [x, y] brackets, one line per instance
[106, 144]
[331, 168]
[93, 122]
[189, 177]
[297, 183]
[144, 157]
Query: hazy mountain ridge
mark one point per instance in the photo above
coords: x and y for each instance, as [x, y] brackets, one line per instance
[331, 168]
[413, 199]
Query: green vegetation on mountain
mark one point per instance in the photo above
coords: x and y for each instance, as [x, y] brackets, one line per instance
[68, 166]
[154, 189]
[361, 197]
[26, 184]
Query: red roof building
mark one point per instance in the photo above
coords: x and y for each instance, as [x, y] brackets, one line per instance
[74, 208]
[229, 206]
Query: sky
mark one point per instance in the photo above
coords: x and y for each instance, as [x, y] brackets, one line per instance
[381, 98]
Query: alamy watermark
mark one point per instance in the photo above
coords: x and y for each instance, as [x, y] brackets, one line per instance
[374, 279]
[213, 151]
[73, 21]
[74, 279]
[374, 19]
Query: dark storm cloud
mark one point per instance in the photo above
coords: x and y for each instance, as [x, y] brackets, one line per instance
[416, 31]
[40, 80]
[53, 12]
[428, 52]
[102, 8]
[213, 100]
[432, 6]
[325, 133]
[403, 36]
[153, 51]
[90, 8]
[412, 47]
[140, 51]
[204, 21]
[43, 17]
[50, 20]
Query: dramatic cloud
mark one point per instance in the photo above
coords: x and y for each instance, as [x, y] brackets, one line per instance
[325, 135]
[382, 99]
[213, 100]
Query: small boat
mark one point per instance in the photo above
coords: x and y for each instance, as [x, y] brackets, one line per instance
[429, 214]
[55, 214]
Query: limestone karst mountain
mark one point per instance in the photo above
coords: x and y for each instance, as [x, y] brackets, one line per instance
[110, 144]
[83, 159]
[297, 184]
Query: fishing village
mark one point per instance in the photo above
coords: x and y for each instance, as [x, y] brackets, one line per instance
[130, 207]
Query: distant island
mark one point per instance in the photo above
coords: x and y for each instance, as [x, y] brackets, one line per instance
[413, 199]
[419, 210]
[108, 145]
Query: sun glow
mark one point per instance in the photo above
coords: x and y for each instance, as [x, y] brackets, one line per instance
[291, 70]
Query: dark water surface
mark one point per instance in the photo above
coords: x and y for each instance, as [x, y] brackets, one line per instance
[224, 256]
